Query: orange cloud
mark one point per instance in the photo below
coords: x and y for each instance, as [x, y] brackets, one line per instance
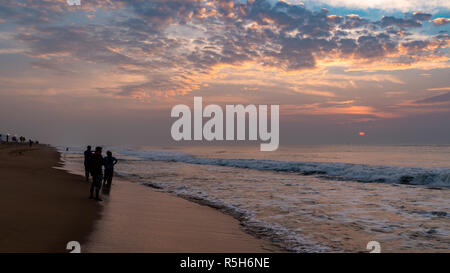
[317, 109]
[440, 21]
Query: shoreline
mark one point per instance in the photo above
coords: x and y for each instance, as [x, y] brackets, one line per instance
[137, 218]
[43, 207]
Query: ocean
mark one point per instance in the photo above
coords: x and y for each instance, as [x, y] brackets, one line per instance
[308, 198]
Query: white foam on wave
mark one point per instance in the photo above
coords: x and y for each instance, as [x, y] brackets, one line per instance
[433, 177]
[274, 232]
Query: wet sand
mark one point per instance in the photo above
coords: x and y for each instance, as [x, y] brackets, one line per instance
[136, 218]
[139, 219]
[42, 208]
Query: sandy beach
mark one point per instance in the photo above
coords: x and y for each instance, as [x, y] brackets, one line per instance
[44, 207]
[136, 218]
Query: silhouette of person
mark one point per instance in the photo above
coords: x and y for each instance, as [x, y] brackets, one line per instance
[30, 142]
[87, 162]
[96, 168]
[110, 161]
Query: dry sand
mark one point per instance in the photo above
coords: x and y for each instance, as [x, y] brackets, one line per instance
[43, 208]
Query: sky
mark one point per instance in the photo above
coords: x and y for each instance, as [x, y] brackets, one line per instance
[109, 72]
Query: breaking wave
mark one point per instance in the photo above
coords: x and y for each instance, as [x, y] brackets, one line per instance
[433, 177]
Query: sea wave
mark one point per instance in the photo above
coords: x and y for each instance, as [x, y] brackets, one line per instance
[433, 177]
[276, 233]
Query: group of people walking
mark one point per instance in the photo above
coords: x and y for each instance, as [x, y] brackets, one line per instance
[15, 139]
[93, 166]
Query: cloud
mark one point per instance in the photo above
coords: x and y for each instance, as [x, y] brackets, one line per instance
[388, 21]
[442, 98]
[421, 16]
[352, 112]
[11, 50]
[81, 43]
[375, 46]
[354, 21]
[178, 43]
[440, 21]
[439, 89]
[314, 92]
[26, 12]
[387, 5]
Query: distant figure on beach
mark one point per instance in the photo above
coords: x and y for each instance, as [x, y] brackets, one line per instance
[30, 141]
[110, 161]
[7, 138]
[87, 162]
[96, 168]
